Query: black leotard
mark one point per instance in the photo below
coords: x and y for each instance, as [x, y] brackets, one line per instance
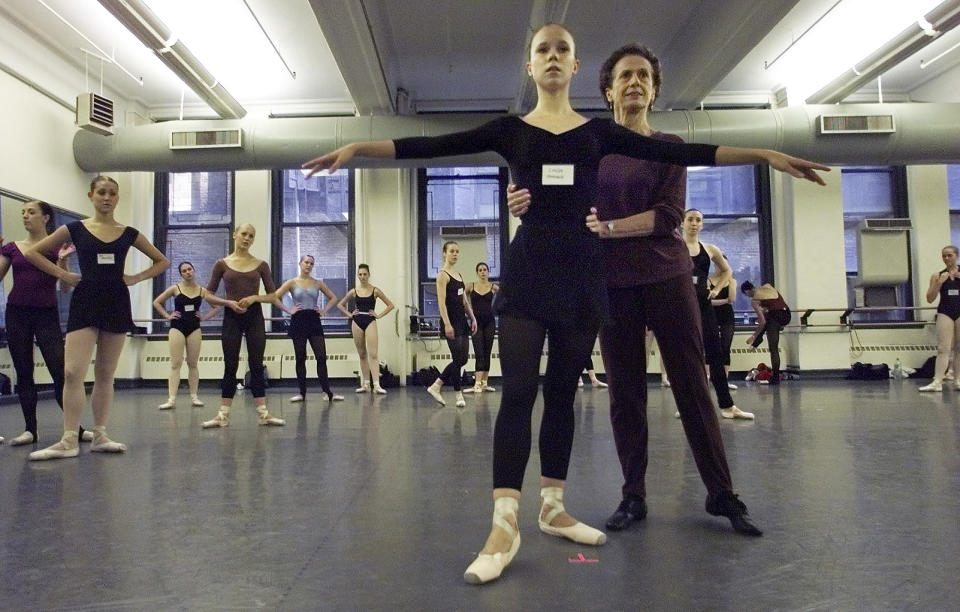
[949, 298]
[456, 312]
[101, 299]
[551, 272]
[482, 304]
[365, 305]
[188, 307]
[701, 273]
[724, 312]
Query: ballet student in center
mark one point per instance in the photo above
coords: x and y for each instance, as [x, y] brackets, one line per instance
[706, 288]
[100, 314]
[306, 325]
[945, 284]
[32, 316]
[481, 294]
[454, 309]
[363, 326]
[242, 275]
[647, 277]
[773, 315]
[185, 334]
[551, 285]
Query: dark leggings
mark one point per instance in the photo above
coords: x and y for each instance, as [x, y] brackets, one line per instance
[714, 353]
[483, 345]
[775, 321]
[319, 346]
[521, 346]
[235, 327]
[727, 328]
[459, 353]
[588, 365]
[24, 324]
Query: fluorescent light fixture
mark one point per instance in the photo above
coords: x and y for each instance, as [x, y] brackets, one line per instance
[924, 64]
[851, 31]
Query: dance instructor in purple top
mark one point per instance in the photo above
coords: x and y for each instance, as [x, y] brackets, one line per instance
[550, 285]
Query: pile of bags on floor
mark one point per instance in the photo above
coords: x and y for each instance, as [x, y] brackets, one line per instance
[764, 372]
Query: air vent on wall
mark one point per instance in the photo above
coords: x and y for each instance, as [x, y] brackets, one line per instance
[885, 225]
[95, 113]
[463, 231]
[207, 139]
[857, 124]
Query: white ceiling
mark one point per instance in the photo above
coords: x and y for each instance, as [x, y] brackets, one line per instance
[457, 55]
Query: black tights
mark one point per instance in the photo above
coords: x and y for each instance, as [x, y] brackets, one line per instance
[775, 321]
[483, 346]
[459, 352]
[727, 328]
[714, 353]
[521, 346]
[24, 324]
[319, 347]
[235, 327]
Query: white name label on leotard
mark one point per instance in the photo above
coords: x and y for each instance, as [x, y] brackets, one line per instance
[188, 308]
[460, 291]
[953, 291]
[557, 174]
[105, 258]
[695, 279]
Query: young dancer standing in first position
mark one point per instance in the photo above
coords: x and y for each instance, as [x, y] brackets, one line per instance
[454, 310]
[100, 314]
[306, 326]
[946, 285]
[185, 334]
[32, 314]
[364, 327]
[480, 294]
[242, 274]
[551, 285]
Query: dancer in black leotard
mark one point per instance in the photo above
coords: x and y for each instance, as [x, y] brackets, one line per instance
[551, 284]
[706, 289]
[726, 321]
[454, 310]
[32, 314]
[480, 294]
[945, 284]
[99, 311]
[364, 328]
[306, 325]
[184, 334]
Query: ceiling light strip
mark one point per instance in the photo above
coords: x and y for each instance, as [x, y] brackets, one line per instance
[293, 75]
[924, 64]
[767, 65]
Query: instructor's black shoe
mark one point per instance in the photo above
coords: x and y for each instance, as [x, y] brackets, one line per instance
[628, 511]
[729, 505]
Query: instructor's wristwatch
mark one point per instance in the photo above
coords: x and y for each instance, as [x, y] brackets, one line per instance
[610, 227]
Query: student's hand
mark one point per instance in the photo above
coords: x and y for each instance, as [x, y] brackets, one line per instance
[236, 307]
[65, 251]
[296, 308]
[518, 200]
[448, 331]
[473, 326]
[130, 280]
[72, 279]
[246, 302]
[173, 315]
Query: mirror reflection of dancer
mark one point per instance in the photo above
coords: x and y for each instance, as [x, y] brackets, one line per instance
[551, 285]
[707, 287]
[364, 327]
[185, 334]
[100, 315]
[773, 315]
[726, 320]
[242, 274]
[946, 285]
[32, 315]
[480, 294]
[454, 309]
[306, 325]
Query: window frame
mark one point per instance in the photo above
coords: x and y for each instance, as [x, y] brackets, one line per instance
[276, 240]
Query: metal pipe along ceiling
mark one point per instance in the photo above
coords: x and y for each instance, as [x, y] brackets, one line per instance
[926, 134]
[147, 27]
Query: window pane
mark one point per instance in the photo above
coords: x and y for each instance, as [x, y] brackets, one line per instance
[955, 229]
[202, 247]
[200, 197]
[730, 190]
[953, 187]
[318, 199]
[867, 194]
[329, 245]
[463, 199]
[465, 171]
[434, 254]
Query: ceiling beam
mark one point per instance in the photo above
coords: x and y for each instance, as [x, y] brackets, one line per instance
[346, 27]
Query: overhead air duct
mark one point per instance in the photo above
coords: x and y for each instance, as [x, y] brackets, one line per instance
[147, 27]
[925, 133]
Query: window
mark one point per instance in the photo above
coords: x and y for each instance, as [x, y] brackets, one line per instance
[953, 199]
[194, 222]
[465, 205]
[314, 216]
[872, 192]
[732, 204]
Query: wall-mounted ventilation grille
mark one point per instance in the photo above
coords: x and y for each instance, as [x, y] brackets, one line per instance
[885, 225]
[207, 139]
[95, 113]
[463, 231]
[857, 124]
